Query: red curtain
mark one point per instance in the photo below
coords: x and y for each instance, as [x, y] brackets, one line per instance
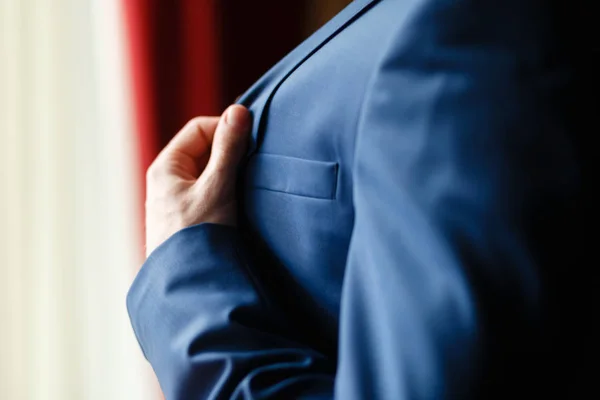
[174, 68]
[174, 64]
[194, 57]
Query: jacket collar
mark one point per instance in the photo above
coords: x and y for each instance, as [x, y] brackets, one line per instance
[259, 96]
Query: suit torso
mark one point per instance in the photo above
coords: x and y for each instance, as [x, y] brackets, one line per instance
[298, 181]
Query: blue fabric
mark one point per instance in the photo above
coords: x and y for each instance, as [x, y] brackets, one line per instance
[412, 219]
[292, 175]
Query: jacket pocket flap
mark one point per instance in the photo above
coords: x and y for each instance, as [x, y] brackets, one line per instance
[291, 175]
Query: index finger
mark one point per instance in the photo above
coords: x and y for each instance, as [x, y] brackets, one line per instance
[194, 139]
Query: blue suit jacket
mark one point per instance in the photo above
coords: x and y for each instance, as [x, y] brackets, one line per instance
[410, 223]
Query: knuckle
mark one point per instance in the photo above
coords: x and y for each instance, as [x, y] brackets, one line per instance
[194, 123]
[159, 168]
[154, 171]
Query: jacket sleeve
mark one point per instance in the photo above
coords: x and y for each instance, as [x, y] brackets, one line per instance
[207, 331]
[464, 179]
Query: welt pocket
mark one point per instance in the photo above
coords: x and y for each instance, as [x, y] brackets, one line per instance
[297, 176]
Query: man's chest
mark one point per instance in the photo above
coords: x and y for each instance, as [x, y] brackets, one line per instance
[297, 198]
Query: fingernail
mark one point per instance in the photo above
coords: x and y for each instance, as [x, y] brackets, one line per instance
[237, 116]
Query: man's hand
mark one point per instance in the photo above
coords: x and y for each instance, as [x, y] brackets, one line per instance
[193, 179]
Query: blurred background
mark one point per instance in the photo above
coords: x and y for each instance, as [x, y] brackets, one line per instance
[90, 91]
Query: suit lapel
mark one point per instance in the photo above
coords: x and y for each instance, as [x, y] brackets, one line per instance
[258, 97]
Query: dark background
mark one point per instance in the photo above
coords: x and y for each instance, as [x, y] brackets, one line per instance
[249, 37]
[255, 35]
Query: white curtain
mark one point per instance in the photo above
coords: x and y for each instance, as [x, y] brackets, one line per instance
[69, 222]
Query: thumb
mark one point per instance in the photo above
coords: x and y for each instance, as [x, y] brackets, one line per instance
[230, 141]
